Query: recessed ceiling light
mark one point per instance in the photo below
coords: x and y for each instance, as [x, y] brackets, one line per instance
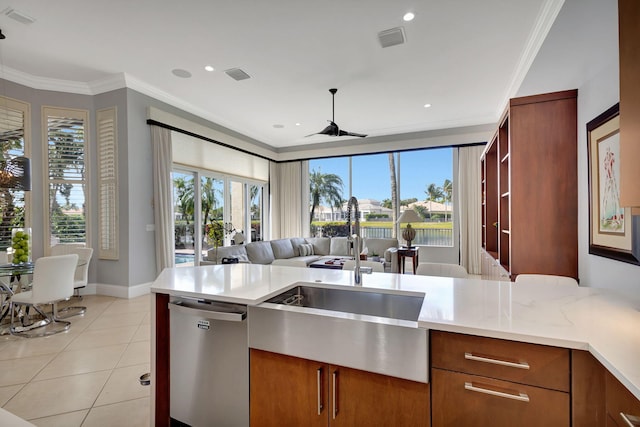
[408, 16]
[298, 124]
[179, 72]
[427, 105]
[209, 68]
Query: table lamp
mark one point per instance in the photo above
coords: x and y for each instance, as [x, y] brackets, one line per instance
[409, 233]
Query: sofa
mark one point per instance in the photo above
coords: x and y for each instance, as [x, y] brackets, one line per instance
[301, 251]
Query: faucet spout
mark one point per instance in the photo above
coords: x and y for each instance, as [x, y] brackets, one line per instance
[354, 238]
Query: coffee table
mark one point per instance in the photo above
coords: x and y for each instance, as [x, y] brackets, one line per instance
[332, 264]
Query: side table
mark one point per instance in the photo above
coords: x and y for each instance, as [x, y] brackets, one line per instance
[408, 253]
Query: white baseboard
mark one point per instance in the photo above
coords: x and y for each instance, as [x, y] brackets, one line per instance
[117, 291]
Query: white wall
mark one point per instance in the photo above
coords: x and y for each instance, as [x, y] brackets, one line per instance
[581, 51]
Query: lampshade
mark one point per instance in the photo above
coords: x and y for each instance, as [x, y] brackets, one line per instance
[15, 174]
[409, 215]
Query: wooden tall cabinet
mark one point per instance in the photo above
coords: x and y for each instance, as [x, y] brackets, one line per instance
[529, 185]
[629, 39]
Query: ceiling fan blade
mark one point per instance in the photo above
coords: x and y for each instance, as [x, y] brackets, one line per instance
[331, 130]
[345, 133]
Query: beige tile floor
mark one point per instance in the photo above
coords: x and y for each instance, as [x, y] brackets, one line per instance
[87, 376]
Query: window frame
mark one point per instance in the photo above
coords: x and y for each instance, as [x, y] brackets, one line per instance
[25, 109]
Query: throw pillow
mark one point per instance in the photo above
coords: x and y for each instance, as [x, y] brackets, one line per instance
[305, 249]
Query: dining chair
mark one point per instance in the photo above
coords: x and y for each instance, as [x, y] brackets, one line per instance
[81, 277]
[52, 282]
[546, 278]
[442, 270]
[377, 267]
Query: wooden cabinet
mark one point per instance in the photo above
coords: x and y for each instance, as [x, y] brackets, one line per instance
[487, 381]
[598, 398]
[629, 39]
[529, 184]
[288, 390]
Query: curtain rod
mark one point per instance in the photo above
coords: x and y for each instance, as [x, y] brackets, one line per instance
[223, 144]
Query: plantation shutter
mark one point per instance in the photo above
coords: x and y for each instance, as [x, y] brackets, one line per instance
[107, 184]
[66, 163]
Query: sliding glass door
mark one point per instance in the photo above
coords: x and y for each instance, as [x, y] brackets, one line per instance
[230, 212]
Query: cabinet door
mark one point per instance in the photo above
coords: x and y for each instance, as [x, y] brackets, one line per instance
[623, 409]
[469, 400]
[368, 399]
[287, 391]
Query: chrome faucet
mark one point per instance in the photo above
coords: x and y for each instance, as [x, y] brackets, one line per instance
[354, 240]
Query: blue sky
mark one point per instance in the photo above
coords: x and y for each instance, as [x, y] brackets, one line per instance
[371, 172]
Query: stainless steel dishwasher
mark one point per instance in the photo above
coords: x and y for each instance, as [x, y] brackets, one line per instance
[209, 363]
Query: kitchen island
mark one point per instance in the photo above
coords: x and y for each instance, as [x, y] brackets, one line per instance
[576, 318]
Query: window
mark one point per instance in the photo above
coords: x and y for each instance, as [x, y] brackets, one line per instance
[425, 179]
[66, 151]
[14, 142]
[107, 184]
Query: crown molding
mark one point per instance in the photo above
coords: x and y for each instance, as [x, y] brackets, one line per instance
[547, 16]
[44, 83]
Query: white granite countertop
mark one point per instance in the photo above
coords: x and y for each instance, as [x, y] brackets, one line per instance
[590, 319]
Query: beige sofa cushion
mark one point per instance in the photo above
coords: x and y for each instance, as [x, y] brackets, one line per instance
[321, 245]
[339, 246]
[282, 248]
[234, 251]
[260, 252]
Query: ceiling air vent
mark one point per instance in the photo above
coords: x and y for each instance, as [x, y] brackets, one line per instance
[237, 74]
[391, 37]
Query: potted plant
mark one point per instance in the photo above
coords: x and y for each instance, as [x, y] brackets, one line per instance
[375, 256]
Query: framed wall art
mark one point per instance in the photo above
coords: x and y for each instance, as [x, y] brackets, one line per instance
[613, 231]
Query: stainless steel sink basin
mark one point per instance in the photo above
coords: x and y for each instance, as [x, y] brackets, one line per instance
[402, 307]
[365, 329]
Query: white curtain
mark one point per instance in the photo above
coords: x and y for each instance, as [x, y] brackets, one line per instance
[162, 197]
[470, 207]
[285, 181]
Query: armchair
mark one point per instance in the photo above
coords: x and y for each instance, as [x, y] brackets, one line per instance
[387, 249]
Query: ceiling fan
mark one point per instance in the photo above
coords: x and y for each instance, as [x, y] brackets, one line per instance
[333, 129]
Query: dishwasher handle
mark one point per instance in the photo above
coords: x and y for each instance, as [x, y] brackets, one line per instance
[192, 310]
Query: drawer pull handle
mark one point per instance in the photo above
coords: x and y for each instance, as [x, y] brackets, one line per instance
[335, 393]
[630, 420]
[319, 381]
[522, 397]
[520, 365]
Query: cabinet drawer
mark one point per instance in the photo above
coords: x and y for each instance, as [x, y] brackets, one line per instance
[524, 363]
[620, 401]
[469, 400]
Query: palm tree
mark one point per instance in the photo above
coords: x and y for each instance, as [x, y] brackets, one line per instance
[433, 193]
[324, 187]
[394, 194]
[447, 188]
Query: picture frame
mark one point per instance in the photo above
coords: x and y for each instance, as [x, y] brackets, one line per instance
[613, 232]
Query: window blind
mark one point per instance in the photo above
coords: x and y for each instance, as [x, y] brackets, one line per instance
[107, 183]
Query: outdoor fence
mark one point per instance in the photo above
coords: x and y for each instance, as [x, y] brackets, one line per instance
[424, 236]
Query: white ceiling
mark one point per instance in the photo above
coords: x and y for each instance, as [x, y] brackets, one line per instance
[466, 58]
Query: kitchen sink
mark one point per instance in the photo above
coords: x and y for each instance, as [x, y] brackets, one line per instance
[360, 328]
[402, 307]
